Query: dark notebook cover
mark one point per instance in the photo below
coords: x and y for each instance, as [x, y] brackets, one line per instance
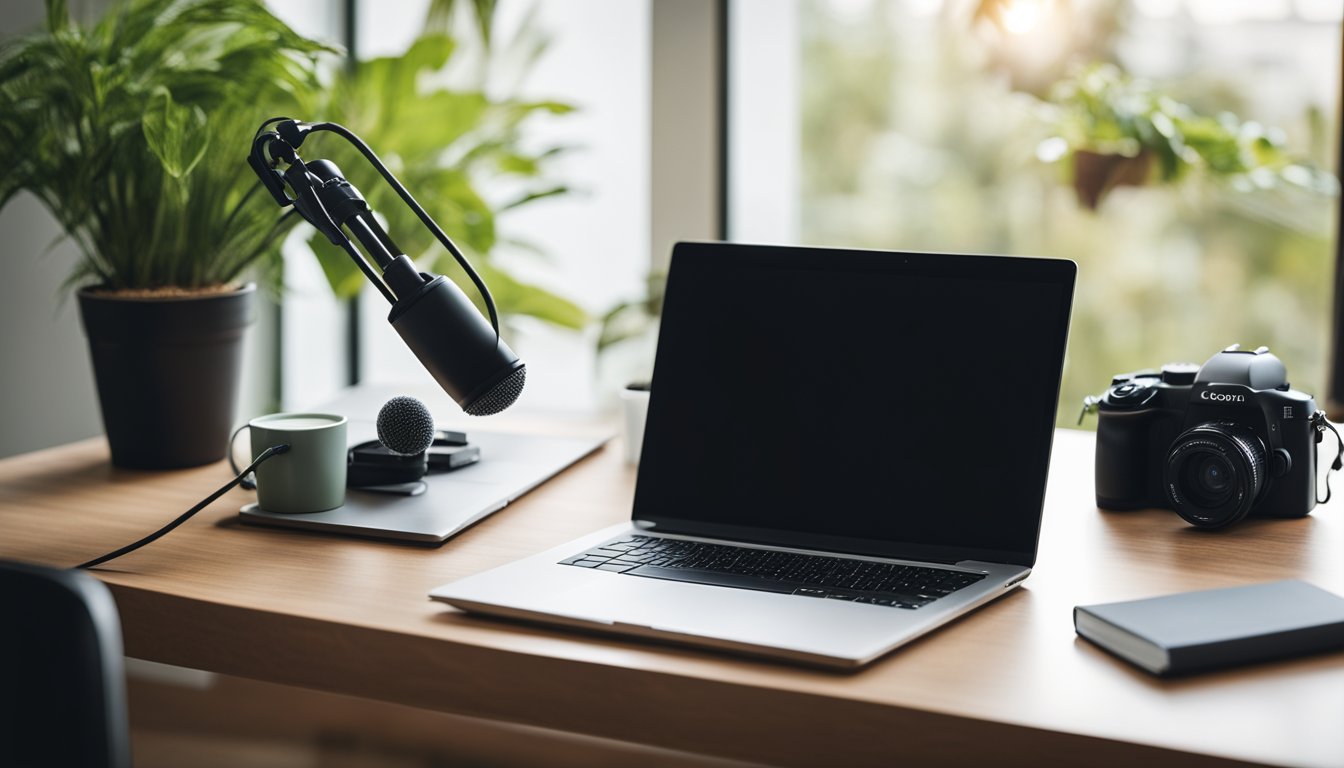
[1194, 631]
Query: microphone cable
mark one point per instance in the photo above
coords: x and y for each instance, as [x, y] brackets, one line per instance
[274, 450]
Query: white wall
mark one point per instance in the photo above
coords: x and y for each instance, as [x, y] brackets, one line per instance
[46, 385]
[47, 395]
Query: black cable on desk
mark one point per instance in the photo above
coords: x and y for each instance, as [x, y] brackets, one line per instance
[274, 450]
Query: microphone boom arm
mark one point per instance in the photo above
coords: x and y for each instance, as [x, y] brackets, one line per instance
[269, 148]
[467, 357]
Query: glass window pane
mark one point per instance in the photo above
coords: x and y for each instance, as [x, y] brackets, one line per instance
[927, 125]
[312, 332]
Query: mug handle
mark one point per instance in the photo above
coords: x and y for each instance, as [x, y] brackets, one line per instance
[249, 482]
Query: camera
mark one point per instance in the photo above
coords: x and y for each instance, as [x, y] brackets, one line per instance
[1215, 443]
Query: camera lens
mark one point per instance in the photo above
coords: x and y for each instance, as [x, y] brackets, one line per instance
[1215, 473]
[1209, 478]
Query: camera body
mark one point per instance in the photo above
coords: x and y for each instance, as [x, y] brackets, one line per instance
[1215, 443]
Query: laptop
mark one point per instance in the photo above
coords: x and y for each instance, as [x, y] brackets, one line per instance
[844, 450]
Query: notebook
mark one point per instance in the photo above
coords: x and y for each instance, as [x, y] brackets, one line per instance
[1193, 631]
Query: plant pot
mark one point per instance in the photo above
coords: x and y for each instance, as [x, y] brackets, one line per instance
[167, 372]
[1096, 174]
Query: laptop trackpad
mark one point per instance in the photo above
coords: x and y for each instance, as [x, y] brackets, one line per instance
[740, 615]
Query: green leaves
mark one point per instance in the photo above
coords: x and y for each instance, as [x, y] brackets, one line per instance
[1117, 124]
[177, 135]
[58, 15]
[342, 274]
[444, 140]
[131, 131]
[632, 319]
[531, 300]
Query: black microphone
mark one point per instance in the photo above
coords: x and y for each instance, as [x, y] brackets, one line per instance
[463, 352]
[459, 349]
[395, 462]
[432, 315]
[405, 426]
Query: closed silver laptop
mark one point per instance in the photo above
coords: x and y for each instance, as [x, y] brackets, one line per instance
[844, 450]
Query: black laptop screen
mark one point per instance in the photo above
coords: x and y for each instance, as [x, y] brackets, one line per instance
[880, 403]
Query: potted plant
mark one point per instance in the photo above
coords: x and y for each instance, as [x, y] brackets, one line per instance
[1114, 130]
[132, 133]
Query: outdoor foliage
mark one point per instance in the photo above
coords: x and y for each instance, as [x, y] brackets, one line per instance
[633, 319]
[916, 135]
[132, 132]
[1100, 115]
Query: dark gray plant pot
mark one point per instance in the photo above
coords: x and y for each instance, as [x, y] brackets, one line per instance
[167, 372]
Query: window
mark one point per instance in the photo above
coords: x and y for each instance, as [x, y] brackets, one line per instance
[925, 125]
[590, 246]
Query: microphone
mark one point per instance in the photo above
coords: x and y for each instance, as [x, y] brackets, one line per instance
[458, 348]
[405, 426]
[395, 462]
[464, 354]
[431, 314]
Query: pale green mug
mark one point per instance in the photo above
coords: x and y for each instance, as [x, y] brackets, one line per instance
[310, 476]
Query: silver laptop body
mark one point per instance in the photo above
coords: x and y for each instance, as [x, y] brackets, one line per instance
[844, 450]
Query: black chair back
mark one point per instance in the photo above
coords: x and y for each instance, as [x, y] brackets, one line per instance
[62, 680]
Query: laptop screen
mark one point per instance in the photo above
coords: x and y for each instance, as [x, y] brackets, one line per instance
[877, 403]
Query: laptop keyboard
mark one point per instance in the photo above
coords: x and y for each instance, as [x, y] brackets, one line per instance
[835, 578]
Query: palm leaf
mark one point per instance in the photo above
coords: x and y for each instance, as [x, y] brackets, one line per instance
[130, 131]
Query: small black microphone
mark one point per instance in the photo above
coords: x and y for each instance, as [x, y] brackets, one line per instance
[395, 462]
[405, 426]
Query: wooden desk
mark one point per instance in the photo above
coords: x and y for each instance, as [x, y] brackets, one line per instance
[1009, 683]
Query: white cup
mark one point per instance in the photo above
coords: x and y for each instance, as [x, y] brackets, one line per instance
[635, 407]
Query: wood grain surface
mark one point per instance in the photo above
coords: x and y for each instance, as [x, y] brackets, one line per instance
[1010, 682]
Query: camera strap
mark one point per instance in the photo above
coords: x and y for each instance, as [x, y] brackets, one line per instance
[1090, 404]
[1321, 423]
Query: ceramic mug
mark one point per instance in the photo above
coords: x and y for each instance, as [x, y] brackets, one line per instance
[635, 405]
[310, 476]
